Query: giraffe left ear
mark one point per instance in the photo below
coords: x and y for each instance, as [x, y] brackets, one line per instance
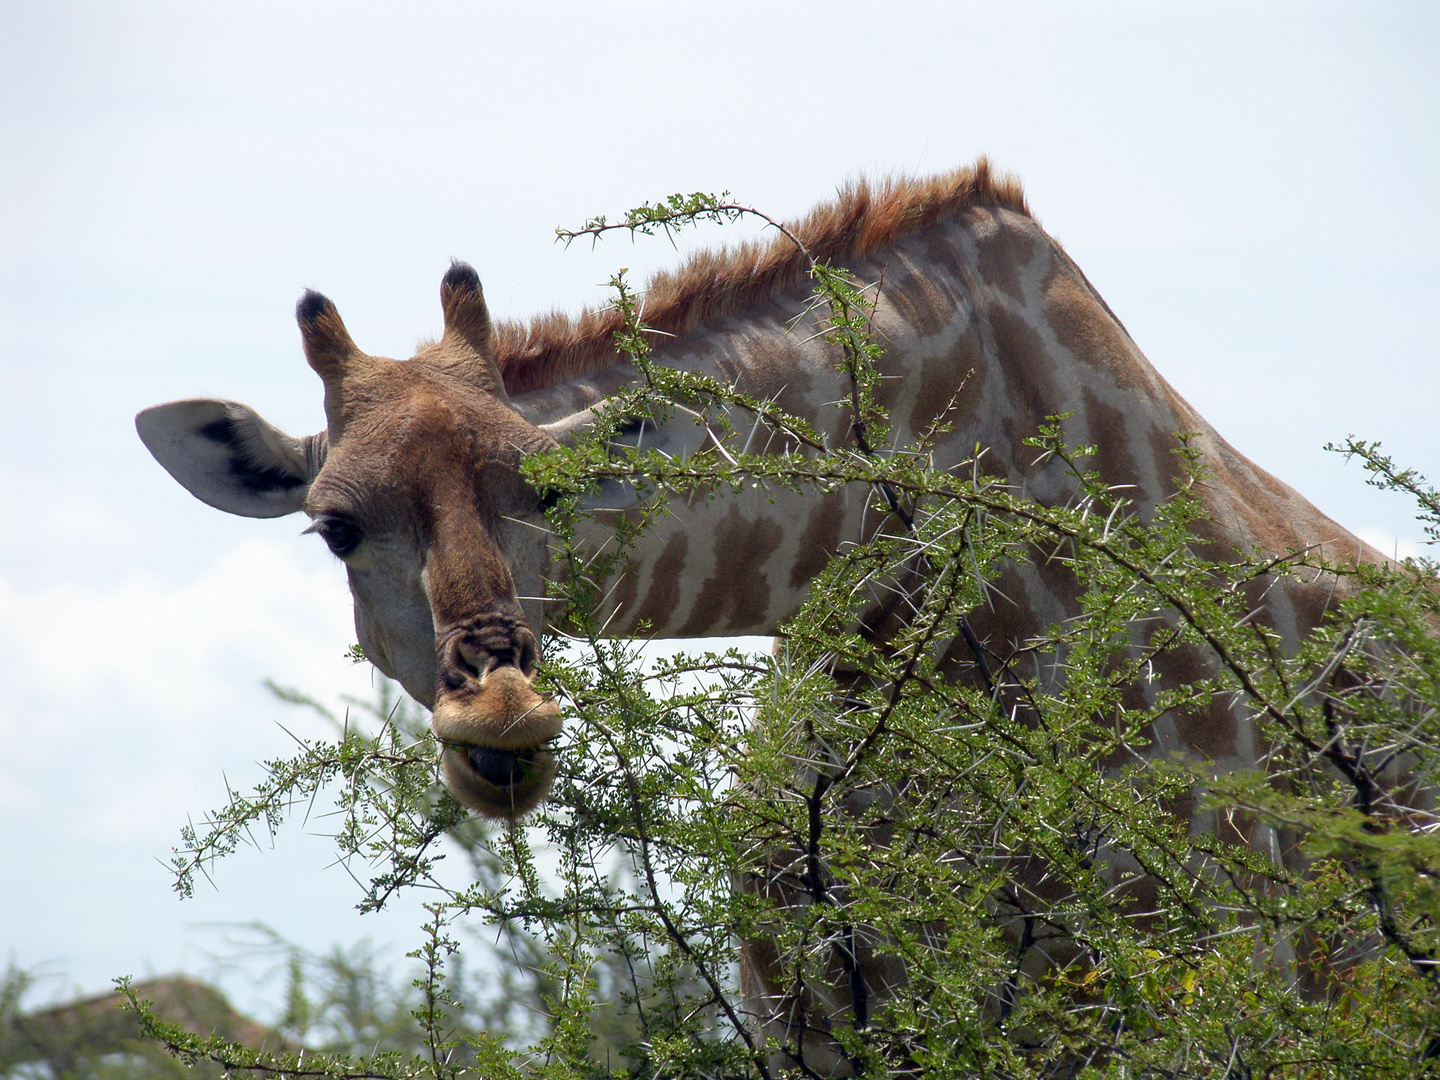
[229, 456]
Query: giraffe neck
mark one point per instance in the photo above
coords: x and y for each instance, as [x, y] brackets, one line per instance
[988, 326]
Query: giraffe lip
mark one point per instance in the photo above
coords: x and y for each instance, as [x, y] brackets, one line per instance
[504, 768]
[498, 782]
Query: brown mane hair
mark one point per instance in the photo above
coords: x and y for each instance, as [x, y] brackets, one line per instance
[555, 348]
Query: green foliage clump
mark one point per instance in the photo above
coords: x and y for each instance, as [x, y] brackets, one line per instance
[997, 834]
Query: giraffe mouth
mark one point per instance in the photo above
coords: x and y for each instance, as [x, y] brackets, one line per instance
[507, 768]
[495, 735]
[498, 783]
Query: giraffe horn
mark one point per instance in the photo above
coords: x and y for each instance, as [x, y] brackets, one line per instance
[468, 329]
[328, 346]
[329, 350]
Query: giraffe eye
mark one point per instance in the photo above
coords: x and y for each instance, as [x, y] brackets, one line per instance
[340, 535]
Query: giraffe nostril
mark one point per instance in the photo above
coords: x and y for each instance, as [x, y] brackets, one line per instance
[529, 658]
[474, 660]
[469, 655]
[459, 664]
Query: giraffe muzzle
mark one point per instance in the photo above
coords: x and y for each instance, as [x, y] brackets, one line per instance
[494, 734]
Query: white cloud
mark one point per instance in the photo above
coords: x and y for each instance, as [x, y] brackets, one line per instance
[124, 707]
[131, 695]
[43, 514]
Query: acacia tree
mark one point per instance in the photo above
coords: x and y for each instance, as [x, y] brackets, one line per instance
[957, 827]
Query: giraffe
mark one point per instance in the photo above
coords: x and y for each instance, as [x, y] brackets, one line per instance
[414, 483]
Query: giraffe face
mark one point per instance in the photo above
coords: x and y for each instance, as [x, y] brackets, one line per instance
[422, 498]
[415, 486]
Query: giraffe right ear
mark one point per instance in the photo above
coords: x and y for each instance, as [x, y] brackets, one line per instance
[683, 434]
[227, 455]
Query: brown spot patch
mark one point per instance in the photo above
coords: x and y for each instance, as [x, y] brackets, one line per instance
[737, 588]
[945, 379]
[1108, 432]
[1209, 731]
[894, 376]
[1163, 447]
[819, 540]
[923, 301]
[626, 589]
[1003, 252]
[664, 594]
[1029, 382]
[1085, 326]
[766, 349]
[1311, 601]
[1139, 899]
[946, 248]
[1010, 620]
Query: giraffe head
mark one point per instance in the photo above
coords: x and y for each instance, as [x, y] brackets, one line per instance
[415, 485]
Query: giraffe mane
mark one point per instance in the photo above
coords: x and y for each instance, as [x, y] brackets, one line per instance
[709, 285]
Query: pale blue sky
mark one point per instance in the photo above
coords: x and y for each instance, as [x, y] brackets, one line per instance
[1251, 186]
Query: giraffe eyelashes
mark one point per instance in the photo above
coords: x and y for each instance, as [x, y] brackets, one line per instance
[340, 535]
